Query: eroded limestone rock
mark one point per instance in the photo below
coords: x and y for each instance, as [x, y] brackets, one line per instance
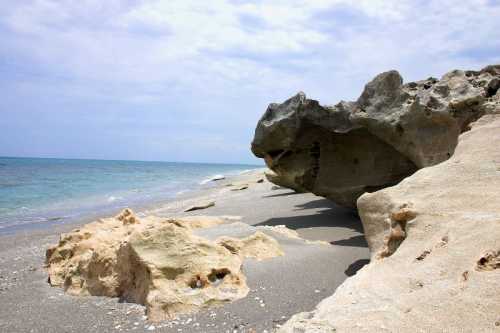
[435, 244]
[258, 246]
[392, 130]
[156, 262]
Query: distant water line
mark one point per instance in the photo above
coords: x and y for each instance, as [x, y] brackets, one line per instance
[42, 191]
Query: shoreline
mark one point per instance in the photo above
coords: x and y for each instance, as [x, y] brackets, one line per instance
[296, 282]
[144, 205]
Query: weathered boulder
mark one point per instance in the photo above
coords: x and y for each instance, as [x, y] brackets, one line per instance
[435, 244]
[391, 131]
[156, 262]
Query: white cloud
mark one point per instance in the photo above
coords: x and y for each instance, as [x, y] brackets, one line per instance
[219, 59]
[188, 44]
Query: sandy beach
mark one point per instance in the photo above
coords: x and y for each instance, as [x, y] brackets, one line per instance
[249, 166]
[279, 287]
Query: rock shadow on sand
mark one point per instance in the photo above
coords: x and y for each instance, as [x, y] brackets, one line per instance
[281, 194]
[324, 213]
[356, 266]
[357, 241]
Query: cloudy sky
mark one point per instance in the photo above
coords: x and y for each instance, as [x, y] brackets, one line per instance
[187, 80]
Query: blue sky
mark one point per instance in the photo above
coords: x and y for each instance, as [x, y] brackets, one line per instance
[187, 80]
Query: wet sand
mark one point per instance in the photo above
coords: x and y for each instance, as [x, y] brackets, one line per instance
[280, 287]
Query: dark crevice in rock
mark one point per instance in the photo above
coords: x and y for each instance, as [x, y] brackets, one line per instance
[315, 153]
[492, 88]
[275, 153]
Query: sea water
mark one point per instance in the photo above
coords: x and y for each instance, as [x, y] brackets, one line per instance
[37, 192]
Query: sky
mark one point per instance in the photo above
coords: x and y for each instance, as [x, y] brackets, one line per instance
[187, 80]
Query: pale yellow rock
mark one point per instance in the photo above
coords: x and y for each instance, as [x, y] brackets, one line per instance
[127, 216]
[156, 262]
[197, 222]
[435, 243]
[257, 246]
[290, 233]
[283, 230]
[172, 271]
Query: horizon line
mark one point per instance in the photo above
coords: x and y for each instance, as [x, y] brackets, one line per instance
[123, 160]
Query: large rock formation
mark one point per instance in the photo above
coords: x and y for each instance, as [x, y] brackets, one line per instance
[157, 262]
[391, 131]
[435, 244]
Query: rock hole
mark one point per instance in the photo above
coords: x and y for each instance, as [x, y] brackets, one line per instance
[197, 282]
[217, 275]
[423, 255]
[444, 241]
[400, 129]
[489, 261]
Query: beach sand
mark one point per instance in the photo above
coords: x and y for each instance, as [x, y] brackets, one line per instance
[280, 287]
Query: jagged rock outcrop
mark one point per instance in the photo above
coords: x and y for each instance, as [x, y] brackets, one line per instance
[392, 130]
[157, 262]
[435, 244]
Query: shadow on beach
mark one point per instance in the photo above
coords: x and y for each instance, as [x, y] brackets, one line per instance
[281, 194]
[358, 241]
[356, 266]
[326, 214]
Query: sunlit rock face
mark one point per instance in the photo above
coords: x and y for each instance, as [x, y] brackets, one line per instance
[392, 130]
[435, 245]
[156, 262]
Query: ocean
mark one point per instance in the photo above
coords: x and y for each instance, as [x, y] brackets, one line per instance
[39, 192]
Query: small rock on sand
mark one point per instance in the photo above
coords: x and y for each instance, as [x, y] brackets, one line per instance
[240, 187]
[200, 206]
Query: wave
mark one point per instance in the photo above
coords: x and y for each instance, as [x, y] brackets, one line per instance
[212, 179]
[7, 185]
[113, 198]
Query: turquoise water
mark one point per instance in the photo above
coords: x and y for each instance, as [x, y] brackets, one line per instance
[37, 191]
